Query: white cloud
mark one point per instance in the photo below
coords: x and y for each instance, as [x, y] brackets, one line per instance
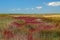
[12, 10]
[15, 9]
[32, 8]
[18, 9]
[38, 7]
[26, 8]
[54, 4]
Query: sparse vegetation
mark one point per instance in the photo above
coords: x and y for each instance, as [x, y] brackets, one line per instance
[20, 26]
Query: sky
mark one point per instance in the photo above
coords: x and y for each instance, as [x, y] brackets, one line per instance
[30, 6]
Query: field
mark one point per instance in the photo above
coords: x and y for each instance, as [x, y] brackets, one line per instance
[29, 27]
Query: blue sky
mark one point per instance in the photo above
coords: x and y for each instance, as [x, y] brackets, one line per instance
[30, 6]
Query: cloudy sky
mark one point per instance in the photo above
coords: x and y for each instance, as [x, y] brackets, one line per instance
[29, 6]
